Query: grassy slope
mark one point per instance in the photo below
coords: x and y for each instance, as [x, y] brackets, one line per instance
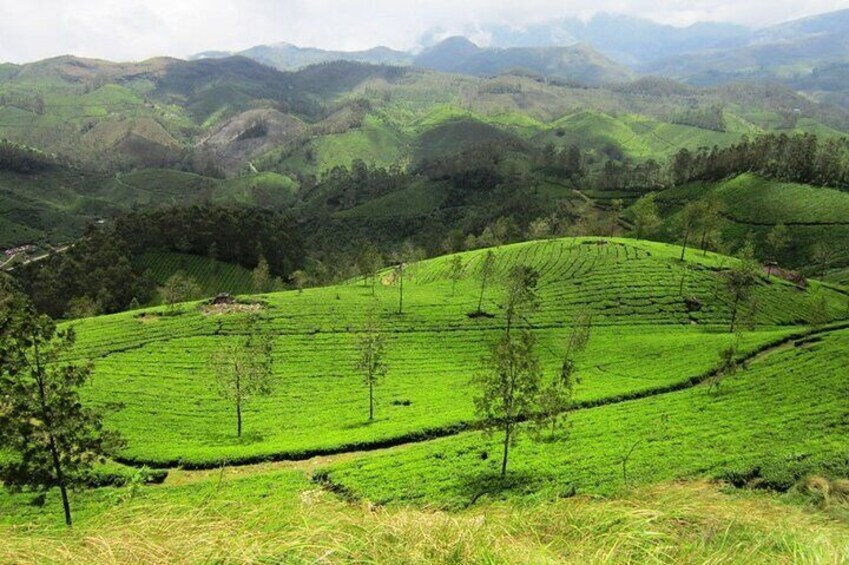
[754, 205]
[158, 367]
[271, 515]
[780, 419]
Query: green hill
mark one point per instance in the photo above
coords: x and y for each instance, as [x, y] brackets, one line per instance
[753, 206]
[647, 338]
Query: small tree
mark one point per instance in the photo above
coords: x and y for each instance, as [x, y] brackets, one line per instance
[712, 214]
[823, 255]
[179, 288]
[300, 279]
[456, 273]
[692, 216]
[776, 240]
[244, 368]
[371, 362]
[50, 437]
[486, 271]
[645, 215]
[400, 268]
[741, 281]
[727, 367]
[261, 275]
[369, 262]
[509, 385]
[558, 397]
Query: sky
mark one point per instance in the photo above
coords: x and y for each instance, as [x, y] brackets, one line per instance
[124, 30]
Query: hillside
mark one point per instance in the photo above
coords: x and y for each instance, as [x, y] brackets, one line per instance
[752, 206]
[631, 288]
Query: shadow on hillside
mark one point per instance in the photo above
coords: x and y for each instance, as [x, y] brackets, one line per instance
[488, 484]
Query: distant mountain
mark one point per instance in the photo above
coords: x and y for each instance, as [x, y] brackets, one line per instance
[577, 63]
[625, 39]
[787, 52]
[288, 57]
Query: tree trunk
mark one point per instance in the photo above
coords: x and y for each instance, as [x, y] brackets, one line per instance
[507, 430]
[480, 300]
[54, 450]
[371, 399]
[684, 247]
[734, 312]
[60, 480]
[704, 241]
[401, 294]
[238, 405]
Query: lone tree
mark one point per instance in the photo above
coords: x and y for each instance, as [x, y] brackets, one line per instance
[728, 366]
[823, 256]
[369, 262]
[300, 279]
[486, 272]
[179, 288]
[645, 215]
[510, 383]
[243, 368]
[741, 281]
[456, 273]
[371, 362]
[50, 437]
[558, 397]
[261, 275]
[776, 240]
[711, 217]
[691, 218]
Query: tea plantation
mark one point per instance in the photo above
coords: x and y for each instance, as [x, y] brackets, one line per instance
[152, 369]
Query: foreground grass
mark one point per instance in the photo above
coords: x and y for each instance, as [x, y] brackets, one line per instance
[279, 517]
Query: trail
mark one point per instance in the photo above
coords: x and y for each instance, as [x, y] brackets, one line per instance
[309, 460]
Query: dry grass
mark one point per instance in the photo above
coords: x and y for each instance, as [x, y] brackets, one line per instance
[677, 523]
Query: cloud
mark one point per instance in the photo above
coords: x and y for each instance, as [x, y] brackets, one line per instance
[133, 29]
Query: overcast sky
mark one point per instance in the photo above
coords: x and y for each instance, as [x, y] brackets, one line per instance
[134, 30]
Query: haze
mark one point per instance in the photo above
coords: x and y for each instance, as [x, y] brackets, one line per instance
[137, 30]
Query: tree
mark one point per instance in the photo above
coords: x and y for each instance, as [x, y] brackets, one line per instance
[369, 262]
[712, 214]
[776, 240]
[508, 387]
[261, 275]
[728, 366]
[823, 255]
[645, 215]
[399, 277]
[691, 217]
[521, 297]
[740, 281]
[371, 362]
[558, 397]
[50, 436]
[510, 383]
[486, 271]
[456, 273]
[179, 288]
[300, 279]
[244, 368]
